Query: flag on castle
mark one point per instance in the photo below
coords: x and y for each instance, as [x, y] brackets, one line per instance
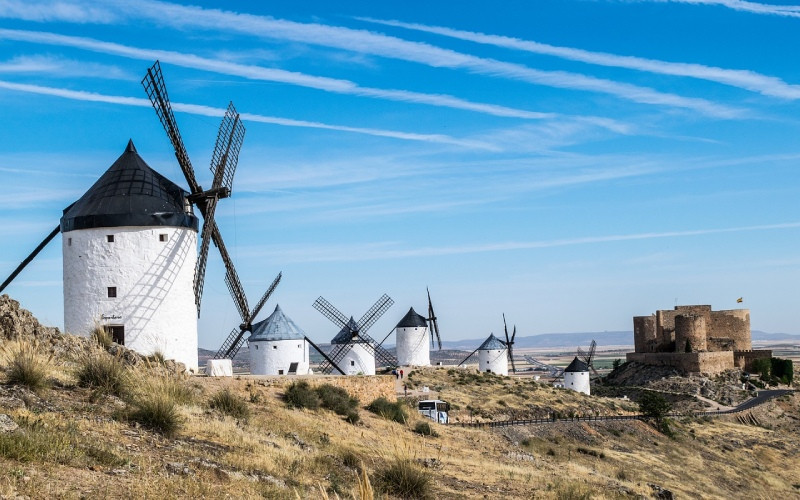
[739, 300]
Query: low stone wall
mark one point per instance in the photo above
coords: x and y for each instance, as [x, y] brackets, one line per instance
[365, 388]
[690, 362]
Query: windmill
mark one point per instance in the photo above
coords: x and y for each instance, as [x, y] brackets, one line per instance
[236, 338]
[510, 343]
[588, 357]
[353, 333]
[433, 324]
[553, 371]
[223, 165]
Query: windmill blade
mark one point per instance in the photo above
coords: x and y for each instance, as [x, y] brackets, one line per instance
[231, 276]
[226, 150]
[30, 257]
[374, 313]
[513, 334]
[153, 84]
[329, 311]
[582, 354]
[264, 298]
[202, 258]
[505, 327]
[381, 355]
[327, 359]
[511, 358]
[433, 324]
[590, 356]
[231, 345]
[470, 355]
[337, 354]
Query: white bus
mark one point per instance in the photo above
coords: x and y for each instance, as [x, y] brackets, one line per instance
[434, 409]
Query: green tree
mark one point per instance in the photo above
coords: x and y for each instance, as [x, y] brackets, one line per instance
[616, 363]
[654, 405]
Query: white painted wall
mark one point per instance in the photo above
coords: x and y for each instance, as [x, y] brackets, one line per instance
[412, 346]
[357, 361]
[268, 357]
[154, 281]
[577, 381]
[493, 360]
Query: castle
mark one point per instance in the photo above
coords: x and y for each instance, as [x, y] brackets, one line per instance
[695, 339]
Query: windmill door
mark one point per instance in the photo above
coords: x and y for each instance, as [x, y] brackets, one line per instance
[117, 333]
[293, 368]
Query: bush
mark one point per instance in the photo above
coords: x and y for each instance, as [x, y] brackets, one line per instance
[336, 399]
[159, 412]
[27, 367]
[426, 429]
[352, 417]
[388, 410]
[301, 395]
[228, 403]
[403, 478]
[104, 373]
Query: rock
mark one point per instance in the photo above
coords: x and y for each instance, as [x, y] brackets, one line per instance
[302, 444]
[178, 468]
[7, 424]
[661, 493]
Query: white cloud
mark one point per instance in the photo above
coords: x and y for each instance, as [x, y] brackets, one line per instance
[366, 42]
[740, 5]
[278, 75]
[60, 67]
[219, 112]
[748, 80]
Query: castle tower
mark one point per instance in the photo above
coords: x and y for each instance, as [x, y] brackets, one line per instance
[691, 333]
[129, 249]
[576, 376]
[359, 359]
[278, 347]
[412, 340]
[493, 356]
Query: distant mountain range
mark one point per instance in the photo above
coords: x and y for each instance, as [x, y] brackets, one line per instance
[552, 340]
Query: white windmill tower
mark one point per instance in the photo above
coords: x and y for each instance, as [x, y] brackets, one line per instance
[278, 347]
[576, 376]
[492, 356]
[354, 352]
[412, 340]
[130, 243]
[130, 251]
[412, 337]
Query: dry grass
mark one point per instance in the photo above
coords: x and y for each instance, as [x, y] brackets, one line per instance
[289, 453]
[26, 365]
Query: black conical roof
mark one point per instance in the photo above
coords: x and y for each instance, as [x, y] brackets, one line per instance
[577, 366]
[412, 320]
[130, 193]
[345, 335]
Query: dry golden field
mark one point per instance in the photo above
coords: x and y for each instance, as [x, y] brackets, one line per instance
[81, 442]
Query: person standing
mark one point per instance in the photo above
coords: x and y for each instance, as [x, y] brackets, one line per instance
[401, 374]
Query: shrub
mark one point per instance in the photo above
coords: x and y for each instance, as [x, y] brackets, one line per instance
[104, 373]
[388, 410]
[156, 405]
[158, 412]
[352, 417]
[28, 367]
[228, 403]
[300, 395]
[405, 479]
[426, 429]
[336, 399]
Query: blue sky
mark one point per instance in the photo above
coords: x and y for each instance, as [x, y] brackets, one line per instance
[569, 163]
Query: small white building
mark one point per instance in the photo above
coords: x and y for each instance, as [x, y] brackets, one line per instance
[412, 340]
[129, 248]
[493, 356]
[576, 376]
[278, 347]
[359, 358]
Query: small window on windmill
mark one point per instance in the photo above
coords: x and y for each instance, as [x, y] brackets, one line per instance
[274, 347]
[280, 372]
[162, 237]
[352, 363]
[112, 292]
[110, 238]
[69, 242]
[256, 346]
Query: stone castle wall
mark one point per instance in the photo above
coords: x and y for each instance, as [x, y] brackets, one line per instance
[744, 359]
[710, 363]
[734, 325]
